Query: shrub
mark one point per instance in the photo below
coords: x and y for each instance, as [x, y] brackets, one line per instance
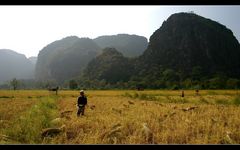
[236, 100]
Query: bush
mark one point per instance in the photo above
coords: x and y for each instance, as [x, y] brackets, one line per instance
[236, 100]
[174, 87]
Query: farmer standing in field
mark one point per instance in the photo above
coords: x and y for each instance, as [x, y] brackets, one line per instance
[81, 102]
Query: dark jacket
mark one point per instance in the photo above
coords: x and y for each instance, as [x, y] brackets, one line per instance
[82, 100]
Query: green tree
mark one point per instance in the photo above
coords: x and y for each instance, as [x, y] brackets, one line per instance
[216, 83]
[73, 84]
[14, 83]
[232, 83]
[188, 83]
[170, 75]
[196, 73]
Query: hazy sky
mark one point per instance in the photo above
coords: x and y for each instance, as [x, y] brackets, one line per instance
[27, 29]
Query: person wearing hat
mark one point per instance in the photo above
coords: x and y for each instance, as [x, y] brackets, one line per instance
[82, 102]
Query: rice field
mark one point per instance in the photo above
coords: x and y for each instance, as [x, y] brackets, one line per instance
[120, 117]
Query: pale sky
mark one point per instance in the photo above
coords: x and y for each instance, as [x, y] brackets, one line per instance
[27, 29]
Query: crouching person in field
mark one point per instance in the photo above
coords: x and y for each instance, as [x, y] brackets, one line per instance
[82, 102]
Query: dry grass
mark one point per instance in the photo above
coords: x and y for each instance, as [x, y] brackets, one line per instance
[210, 118]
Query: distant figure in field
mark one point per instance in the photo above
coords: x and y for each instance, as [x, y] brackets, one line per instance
[81, 103]
[54, 89]
[197, 92]
[182, 94]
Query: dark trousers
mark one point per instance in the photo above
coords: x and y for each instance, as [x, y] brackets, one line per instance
[81, 110]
